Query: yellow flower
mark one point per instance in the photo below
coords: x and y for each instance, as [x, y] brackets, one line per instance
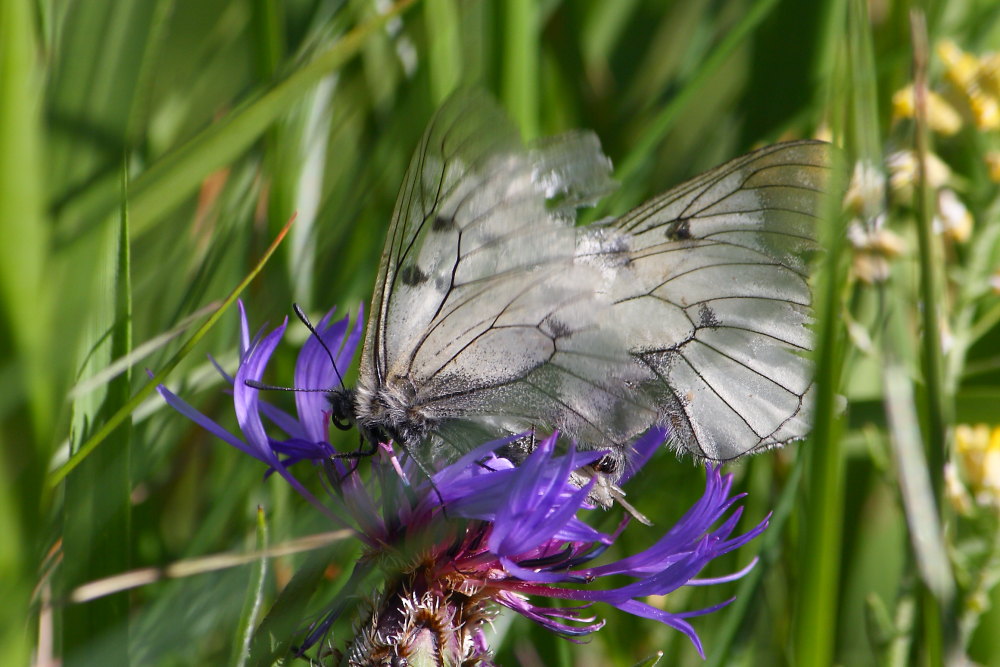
[978, 449]
[903, 172]
[866, 191]
[993, 165]
[989, 73]
[953, 220]
[874, 246]
[985, 110]
[941, 116]
[975, 79]
[960, 67]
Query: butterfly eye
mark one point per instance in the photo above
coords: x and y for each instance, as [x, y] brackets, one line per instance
[341, 408]
[606, 464]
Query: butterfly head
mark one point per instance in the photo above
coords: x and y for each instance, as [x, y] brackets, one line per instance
[344, 417]
[341, 407]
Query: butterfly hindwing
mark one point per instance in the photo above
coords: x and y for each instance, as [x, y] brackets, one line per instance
[712, 288]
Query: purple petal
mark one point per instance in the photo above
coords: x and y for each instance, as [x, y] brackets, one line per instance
[201, 420]
[642, 450]
[222, 371]
[681, 537]
[675, 621]
[246, 398]
[314, 370]
[283, 420]
[303, 449]
[541, 500]
[244, 329]
[532, 575]
[724, 579]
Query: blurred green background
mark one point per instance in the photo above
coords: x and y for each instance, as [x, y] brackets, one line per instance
[150, 151]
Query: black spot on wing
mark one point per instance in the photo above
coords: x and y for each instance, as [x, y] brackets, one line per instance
[442, 223]
[707, 317]
[412, 275]
[679, 230]
[557, 328]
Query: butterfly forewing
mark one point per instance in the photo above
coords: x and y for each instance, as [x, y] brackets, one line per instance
[481, 311]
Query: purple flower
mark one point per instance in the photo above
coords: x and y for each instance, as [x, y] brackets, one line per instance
[481, 531]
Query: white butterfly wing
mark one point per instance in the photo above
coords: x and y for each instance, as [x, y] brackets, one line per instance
[492, 313]
[481, 311]
[710, 287]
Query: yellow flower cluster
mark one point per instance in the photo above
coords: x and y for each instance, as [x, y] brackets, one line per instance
[941, 116]
[874, 244]
[978, 451]
[976, 81]
[973, 94]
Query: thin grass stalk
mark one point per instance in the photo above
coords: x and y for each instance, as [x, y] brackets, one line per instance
[25, 324]
[444, 47]
[929, 256]
[940, 637]
[520, 65]
[816, 603]
[254, 599]
[97, 497]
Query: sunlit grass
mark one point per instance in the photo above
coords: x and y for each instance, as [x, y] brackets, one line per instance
[151, 152]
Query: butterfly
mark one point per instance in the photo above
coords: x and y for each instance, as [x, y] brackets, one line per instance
[494, 313]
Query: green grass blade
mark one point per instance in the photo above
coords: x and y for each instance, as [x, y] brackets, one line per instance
[254, 599]
[25, 321]
[930, 259]
[98, 632]
[664, 120]
[268, 26]
[23, 294]
[178, 175]
[520, 65]
[122, 414]
[739, 613]
[939, 615]
[687, 95]
[816, 617]
[444, 47]
[816, 620]
[926, 533]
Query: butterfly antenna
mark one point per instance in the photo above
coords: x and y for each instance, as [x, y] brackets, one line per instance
[309, 325]
[273, 387]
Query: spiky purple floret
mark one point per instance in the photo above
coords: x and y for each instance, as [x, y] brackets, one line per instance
[522, 535]
[255, 353]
